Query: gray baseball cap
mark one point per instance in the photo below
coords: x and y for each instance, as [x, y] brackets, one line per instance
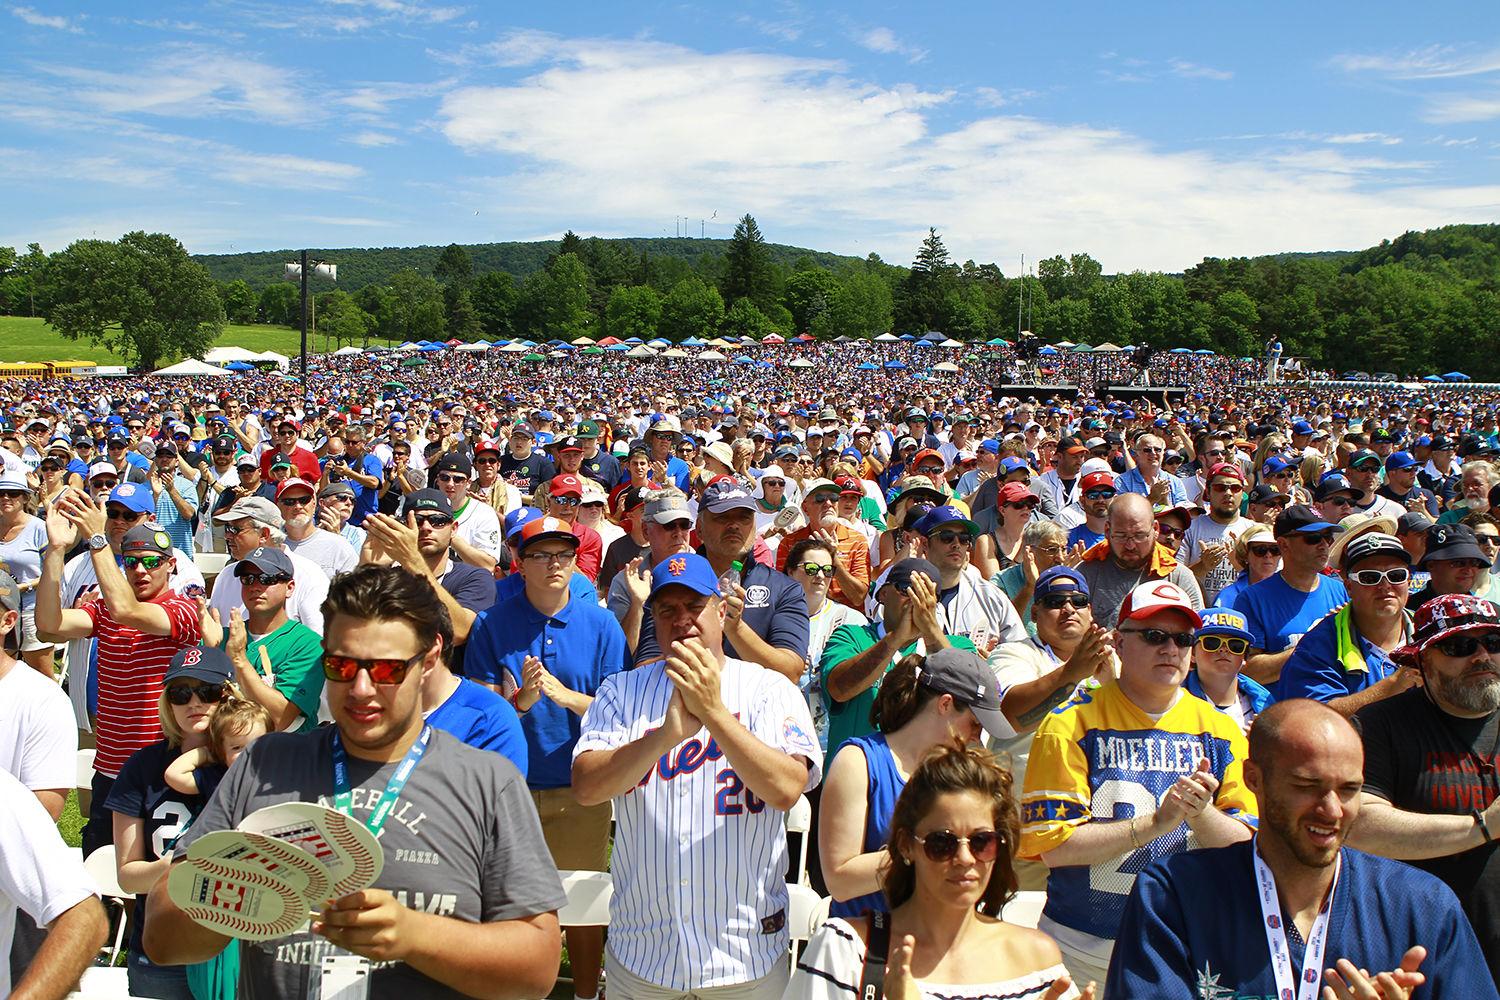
[668, 508]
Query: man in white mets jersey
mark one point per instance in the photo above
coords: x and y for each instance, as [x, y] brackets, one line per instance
[703, 755]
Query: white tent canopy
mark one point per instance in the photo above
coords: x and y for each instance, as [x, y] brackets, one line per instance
[945, 366]
[515, 348]
[192, 366]
[886, 338]
[224, 355]
[800, 363]
[712, 356]
[344, 352]
[674, 352]
[472, 348]
[640, 351]
[950, 342]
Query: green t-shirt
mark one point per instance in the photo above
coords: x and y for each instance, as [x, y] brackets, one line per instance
[847, 719]
[296, 654]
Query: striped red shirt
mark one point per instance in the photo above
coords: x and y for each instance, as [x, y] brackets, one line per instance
[131, 667]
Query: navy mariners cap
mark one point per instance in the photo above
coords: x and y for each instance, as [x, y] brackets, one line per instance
[686, 569]
[901, 574]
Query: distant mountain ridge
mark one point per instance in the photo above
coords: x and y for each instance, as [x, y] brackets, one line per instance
[359, 267]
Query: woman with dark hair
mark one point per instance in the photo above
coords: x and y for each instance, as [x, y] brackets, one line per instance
[913, 712]
[947, 878]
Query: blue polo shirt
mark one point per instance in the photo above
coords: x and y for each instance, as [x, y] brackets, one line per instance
[581, 645]
[681, 474]
[1131, 481]
[483, 719]
[1314, 670]
[580, 587]
[1279, 614]
[366, 498]
[775, 610]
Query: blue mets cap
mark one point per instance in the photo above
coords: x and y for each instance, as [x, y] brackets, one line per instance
[686, 569]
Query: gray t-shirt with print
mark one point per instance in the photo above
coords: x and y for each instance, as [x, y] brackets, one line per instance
[463, 841]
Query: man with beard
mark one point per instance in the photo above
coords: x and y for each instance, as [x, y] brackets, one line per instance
[1432, 793]
[328, 551]
[1215, 923]
[1209, 540]
[1086, 520]
[1061, 481]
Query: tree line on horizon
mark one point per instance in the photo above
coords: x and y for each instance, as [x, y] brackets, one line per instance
[1425, 301]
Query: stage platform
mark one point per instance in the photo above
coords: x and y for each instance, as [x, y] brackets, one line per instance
[1173, 393]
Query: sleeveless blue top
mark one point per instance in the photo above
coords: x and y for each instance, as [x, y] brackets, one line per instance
[884, 788]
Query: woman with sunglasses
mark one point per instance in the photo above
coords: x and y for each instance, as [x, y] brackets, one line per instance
[945, 869]
[149, 815]
[999, 549]
[1218, 657]
[1255, 556]
[23, 540]
[810, 563]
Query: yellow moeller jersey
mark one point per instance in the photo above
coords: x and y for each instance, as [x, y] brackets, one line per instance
[1098, 756]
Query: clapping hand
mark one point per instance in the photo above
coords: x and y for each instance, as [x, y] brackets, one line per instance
[638, 580]
[900, 984]
[79, 508]
[1345, 982]
[1192, 794]
[1062, 984]
[695, 672]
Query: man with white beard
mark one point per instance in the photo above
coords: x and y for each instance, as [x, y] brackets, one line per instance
[296, 499]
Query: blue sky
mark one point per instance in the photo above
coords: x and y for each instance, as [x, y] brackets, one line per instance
[1146, 135]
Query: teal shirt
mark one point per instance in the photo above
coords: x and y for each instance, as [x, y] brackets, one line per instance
[847, 719]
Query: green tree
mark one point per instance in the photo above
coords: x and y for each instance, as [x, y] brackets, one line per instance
[923, 301]
[239, 301]
[808, 294]
[379, 303]
[691, 309]
[633, 311]
[143, 297]
[341, 319]
[1234, 321]
[860, 306]
[278, 304]
[744, 319]
[495, 298]
[418, 303]
[463, 318]
[555, 301]
[454, 266]
[748, 270]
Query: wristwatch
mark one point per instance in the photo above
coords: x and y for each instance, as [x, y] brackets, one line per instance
[1484, 829]
[97, 542]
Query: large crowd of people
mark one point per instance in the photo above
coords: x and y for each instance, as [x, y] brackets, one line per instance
[1211, 677]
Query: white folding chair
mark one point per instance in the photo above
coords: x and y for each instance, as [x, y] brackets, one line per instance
[210, 564]
[1025, 909]
[103, 870]
[589, 894]
[103, 983]
[806, 911]
[83, 773]
[799, 820]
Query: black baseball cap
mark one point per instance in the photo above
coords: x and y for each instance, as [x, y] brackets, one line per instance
[200, 663]
[427, 500]
[454, 462]
[1299, 519]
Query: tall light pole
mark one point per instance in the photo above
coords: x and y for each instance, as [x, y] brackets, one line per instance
[299, 271]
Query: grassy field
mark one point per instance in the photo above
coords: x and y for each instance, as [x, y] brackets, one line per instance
[25, 339]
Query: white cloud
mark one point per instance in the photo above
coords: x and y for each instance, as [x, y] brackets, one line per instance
[884, 41]
[190, 81]
[1181, 67]
[372, 140]
[1431, 62]
[1446, 109]
[344, 220]
[37, 19]
[1357, 138]
[624, 134]
[283, 170]
[404, 10]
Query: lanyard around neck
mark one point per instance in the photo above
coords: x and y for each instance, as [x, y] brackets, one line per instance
[342, 793]
[1317, 941]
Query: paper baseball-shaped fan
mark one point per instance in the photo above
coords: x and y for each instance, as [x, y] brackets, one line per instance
[344, 846]
[236, 898]
[309, 877]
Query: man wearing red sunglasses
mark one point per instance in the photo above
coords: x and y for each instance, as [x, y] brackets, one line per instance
[465, 902]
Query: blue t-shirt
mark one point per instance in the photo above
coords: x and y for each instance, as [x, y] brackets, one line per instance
[885, 785]
[1083, 533]
[681, 474]
[1314, 670]
[483, 719]
[580, 645]
[1192, 929]
[1131, 481]
[775, 610]
[366, 498]
[1279, 614]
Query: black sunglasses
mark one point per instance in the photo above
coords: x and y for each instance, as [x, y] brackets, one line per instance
[1160, 637]
[264, 579]
[1053, 602]
[1467, 644]
[182, 694]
